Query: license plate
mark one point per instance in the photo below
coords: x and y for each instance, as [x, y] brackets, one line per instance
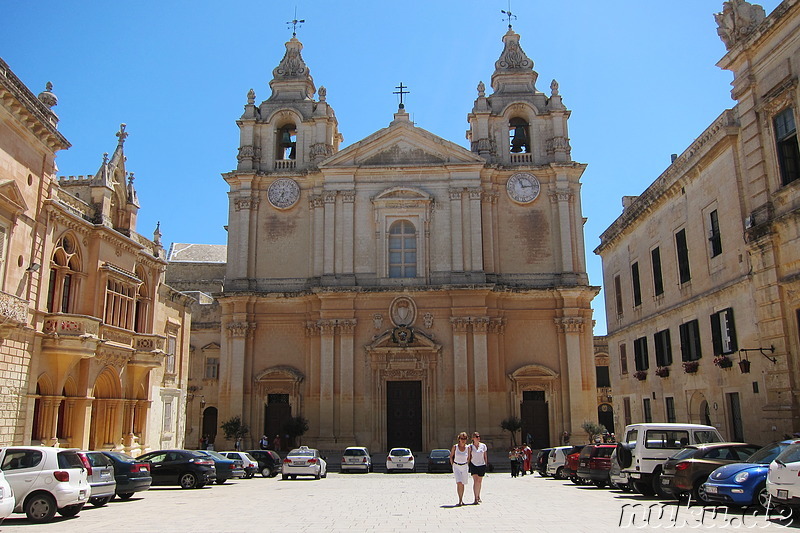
[298, 463]
[711, 490]
[635, 476]
[664, 481]
[401, 466]
[354, 461]
[783, 494]
[105, 475]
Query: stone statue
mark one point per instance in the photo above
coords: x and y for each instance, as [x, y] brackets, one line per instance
[554, 88]
[737, 20]
[323, 93]
[481, 89]
[251, 97]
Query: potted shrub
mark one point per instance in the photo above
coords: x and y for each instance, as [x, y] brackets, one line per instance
[641, 375]
[723, 361]
[662, 371]
[690, 367]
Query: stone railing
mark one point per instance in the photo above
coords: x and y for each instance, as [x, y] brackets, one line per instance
[13, 310]
[148, 343]
[285, 164]
[75, 325]
[522, 158]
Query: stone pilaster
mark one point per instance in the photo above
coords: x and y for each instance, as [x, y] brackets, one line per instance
[475, 230]
[327, 329]
[563, 198]
[460, 371]
[346, 378]
[456, 230]
[480, 356]
[329, 198]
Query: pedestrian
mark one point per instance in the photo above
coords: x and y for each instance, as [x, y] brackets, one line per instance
[528, 466]
[204, 442]
[512, 458]
[459, 460]
[238, 445]
[478, 462]
[276, 442]
[263, 443]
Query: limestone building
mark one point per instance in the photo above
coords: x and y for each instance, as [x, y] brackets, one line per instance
[402, 289]
[702, 270]
[93, 344]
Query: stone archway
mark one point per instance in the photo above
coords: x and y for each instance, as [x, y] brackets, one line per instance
[536, 397]
[699, 409]
[276, 395]
[106, 421]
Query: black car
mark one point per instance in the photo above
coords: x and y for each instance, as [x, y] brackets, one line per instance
[439, 461]
[132, 475]
[226, 468]
[269, 462]
[187, 468]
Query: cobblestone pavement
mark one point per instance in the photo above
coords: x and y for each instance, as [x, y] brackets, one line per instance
[407, 503]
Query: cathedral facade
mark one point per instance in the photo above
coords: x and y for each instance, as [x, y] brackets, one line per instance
[401, 289]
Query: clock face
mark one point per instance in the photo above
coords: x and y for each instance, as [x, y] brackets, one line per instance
[283, 193]
[523, 187]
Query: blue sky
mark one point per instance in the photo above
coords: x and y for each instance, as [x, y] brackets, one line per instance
[639, 77]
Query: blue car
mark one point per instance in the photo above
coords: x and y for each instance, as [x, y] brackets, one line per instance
[744, 483]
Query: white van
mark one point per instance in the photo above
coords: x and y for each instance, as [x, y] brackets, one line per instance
[644, 447]
[556, 461]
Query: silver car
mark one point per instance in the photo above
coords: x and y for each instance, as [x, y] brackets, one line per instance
[304, 461]
[356, 458]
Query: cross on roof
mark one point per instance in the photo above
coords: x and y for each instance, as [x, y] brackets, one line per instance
[509, 15]
[294, 23]
[401, 92]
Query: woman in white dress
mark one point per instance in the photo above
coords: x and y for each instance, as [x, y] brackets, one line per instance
[459, 460]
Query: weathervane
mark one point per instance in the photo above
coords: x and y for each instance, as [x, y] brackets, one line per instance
[294, 23]
[509, 15]
[401, 92]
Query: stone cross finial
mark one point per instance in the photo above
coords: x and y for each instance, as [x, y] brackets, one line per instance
[47, 97]
[323, 93]
[130, 178]
[251, 97]
[105, 158]
[481, 89]
[554, 88]
[122, 134]
[157, 234]
[401, 92]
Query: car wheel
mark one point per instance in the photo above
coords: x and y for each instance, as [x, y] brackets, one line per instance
[266, 472]
[643, 487]
[70, 510]
[317, 476]
[293, 476]
[100, 502]
[762, 498]
[560, 472]
[599, 484]
[41, 507]
[221, 481]
[324, 474]
[699, 493]
[125, 495]
[657, 486]
[575, 480]
[200, 485]
[284, 476]
[188, 481]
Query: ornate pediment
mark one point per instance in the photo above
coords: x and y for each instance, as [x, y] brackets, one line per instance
[402, 338]
[11, 199]
[404, 153]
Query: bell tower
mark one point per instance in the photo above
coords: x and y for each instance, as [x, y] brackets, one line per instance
[518, 124]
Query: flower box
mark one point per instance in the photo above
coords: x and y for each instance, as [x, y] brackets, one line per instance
[641, 375]
[690, 367]
[662, 371]
[723, 361]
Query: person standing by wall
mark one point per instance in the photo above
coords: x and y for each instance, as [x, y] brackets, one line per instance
[478, 462]
[459, 460]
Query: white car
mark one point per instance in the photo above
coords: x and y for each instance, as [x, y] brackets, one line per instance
[304, 461]
[356, 458]
[556, 461]
[783, 478]
[249, 463]
[45, 480]
[6, 498]
[400, 459]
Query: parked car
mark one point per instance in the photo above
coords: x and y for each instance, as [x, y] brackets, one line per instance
[100, 473]
[269, 462]
[304, 461]
[745, 483]
[7, 502]
[571, 463]
[686, 471]
[616, 477]
[644, 447]
[132, 475]
[783, 478]
[356, 458]
[439, 461]
[189, 469]
[45, 480]
[400, 459]
[249, 463]
[556, 460]
[226, 468]
[540, 462]
[594, 463]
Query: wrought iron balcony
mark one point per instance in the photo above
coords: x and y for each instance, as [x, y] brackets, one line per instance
[13, 311]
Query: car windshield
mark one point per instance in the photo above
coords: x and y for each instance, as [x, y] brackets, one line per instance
[119, 456]
[604, 452]
[399, 452]
[355, 451]
[440, 453]
[704, 436]
[301, 453]
[198, 453]
[217, 455]
[768, 453]
[790, 455]
[250, 458]
[684, 453]
[69, 460]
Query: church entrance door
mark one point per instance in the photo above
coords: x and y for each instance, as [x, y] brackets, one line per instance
[535, 419]
[277, 413]
[404, 414]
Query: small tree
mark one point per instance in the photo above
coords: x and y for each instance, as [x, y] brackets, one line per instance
[593, 428]
[295, 427]
[234, 428]
[512, 424]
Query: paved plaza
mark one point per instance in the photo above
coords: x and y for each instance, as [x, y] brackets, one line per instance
[407, 503]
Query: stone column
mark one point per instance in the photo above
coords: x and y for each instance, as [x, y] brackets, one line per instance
[480, 355]
[348, 231]
[572, 329]
[562, 198]
[487, 216]
[328, 268]
[327, 330]
[456, 230]
[231, 397]
[316, 205]
[242, 207]
[346, 377]
[460, 371]
[475, 230]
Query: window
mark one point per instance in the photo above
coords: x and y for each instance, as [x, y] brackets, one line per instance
[603, 378]
[665, 439]
[684, 273]
[626, 410]
[714, 237]
[669, 403]
[212, 368]
[648, 413]
[172, 343]
[61, 286]
[519, 137]
[618, 294]
[623, 359]
[402, 250]
[168, 416]
[287, 143]
[663, 348]
[690, 341]
[640, 357]
[786, 138]
[723, 332]
[658, 281]
[120, 298]
[637, 288]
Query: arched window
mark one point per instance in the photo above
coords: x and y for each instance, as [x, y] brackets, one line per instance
[287, 143]
[63, 280]
[142, 306]
[519, 136]
[402, 250]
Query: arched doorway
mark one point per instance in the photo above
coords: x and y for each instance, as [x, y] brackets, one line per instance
[605, 416]
[277, 413]
[210, 424]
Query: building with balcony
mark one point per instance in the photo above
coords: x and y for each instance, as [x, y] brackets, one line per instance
[702, 269]
[93, 344]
